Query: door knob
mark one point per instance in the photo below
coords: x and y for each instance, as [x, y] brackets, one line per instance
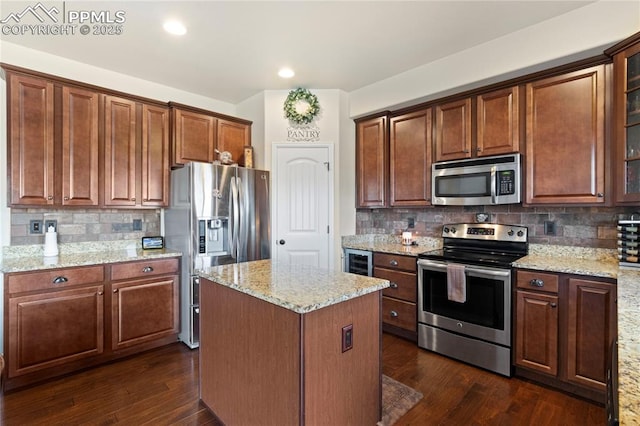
[281, 242]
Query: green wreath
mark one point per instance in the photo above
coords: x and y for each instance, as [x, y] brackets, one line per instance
[301, 106]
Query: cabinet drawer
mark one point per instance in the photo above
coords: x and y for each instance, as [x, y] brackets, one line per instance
[407, 263]
[533, 280]
[399, 313]
[147, 268]
[54, 278]
[403, 284]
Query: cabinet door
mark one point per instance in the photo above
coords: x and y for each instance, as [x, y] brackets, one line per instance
[31, 142]
[155, 156]
[120, 168]
[233, 137]
[371, 161]
[144, 310]
[591, 330]
[565, 139]
[537, 331]
[453, 130]
[194, 137]
[410, 159]
[54, 328]
[79, 147]
[498, 122]
[626, 124]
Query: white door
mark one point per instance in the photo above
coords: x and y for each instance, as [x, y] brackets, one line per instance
[302, 212]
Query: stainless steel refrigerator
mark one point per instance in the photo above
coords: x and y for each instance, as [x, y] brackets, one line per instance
[217, 215]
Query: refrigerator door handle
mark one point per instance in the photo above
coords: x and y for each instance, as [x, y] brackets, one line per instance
[242, 223]
[233, 235]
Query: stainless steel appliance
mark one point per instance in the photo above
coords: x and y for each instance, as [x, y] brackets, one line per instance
[358, 262]
[218, 215]
[478, 181]
[477, 328]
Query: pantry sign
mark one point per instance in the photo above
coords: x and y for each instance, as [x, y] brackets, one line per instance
[56, 19]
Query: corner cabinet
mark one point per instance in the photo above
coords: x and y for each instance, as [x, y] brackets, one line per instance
[565, 124]
[410, 159]
[372, 163]
[626, 120]
[565, 325]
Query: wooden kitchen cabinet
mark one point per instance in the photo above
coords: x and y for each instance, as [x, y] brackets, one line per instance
[30, 135]
[453, 130]
[372, 161]
[410, 159]
[565, 125]
[399, 301]
[565, 325]
[498, 122]
[626, 119]
[144, 302]
[136, 159]
[233, 136]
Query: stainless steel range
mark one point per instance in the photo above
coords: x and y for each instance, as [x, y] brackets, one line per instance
[464, 293]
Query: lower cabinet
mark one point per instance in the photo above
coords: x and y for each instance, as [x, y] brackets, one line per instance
[58, 321]
[399, 311]
[565, 325]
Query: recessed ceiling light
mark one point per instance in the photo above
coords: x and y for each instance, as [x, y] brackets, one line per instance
[175, 27]
[286, 73]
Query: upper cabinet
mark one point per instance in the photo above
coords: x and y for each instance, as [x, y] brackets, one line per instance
[565, 122]
[453, 130]
[626, 120]
[410, 159]
[498, 122]
[155, 156]
[372, 143]
[200, 135]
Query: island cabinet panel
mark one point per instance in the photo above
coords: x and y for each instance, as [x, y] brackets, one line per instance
[30, 124]
[410, 159]
[565, 122]
[453, 130]
[263, 364]
[372, 165]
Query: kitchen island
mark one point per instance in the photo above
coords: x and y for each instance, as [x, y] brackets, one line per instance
[290, 345]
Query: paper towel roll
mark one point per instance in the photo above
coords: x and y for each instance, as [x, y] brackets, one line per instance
[51, 242]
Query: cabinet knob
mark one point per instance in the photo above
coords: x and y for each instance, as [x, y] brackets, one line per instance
[393, 314]
[115, 291]
[66, 198]
[478, 149]
[147, 269]
[59, 280]
[50, 197]
[553, 304]
[394, 263]
[100, 293]
[600, 195]
[133, 198]
[537, 282]
[466, 151]
[393, 285]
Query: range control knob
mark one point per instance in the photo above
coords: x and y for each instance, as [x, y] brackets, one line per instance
[510, 233]
[445, 230]
[520, 233]
[453, 230]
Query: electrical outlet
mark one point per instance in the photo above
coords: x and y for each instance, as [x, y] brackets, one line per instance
[411, 222]
[549, 227]
[50, 222]
[347, 337]
[35, 227]
[137, 224]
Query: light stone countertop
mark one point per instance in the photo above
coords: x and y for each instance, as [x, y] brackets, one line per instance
[30, 258]
[391, 244]
[299, 288]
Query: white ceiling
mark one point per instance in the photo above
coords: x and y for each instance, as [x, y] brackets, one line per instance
[233, 49]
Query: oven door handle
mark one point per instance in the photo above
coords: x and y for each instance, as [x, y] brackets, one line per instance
[471, 270]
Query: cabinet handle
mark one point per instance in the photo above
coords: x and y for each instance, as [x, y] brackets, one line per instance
[393, 314]
[393, 285]
[553, 304]
[466, 151]
[479, 149]
[50, 197]
[66, 198]
[147, 269]
[537, 282]
[100, 293]
[115, 291]
[394, 263]
[133, 198]
[60, 280]
[600, 195]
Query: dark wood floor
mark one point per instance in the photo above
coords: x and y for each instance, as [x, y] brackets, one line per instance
[160, 388]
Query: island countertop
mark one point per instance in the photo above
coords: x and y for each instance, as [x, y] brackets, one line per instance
[299, 288]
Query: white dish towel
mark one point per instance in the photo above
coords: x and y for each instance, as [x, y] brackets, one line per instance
[456, 283]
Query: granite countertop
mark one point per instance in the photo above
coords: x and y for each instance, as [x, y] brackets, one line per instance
[299, 288]
[30, 258]
[571, 260]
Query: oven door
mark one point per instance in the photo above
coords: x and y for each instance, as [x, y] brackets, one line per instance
[486, 314]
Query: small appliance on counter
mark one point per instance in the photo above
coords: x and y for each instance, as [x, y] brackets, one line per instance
[628, 241]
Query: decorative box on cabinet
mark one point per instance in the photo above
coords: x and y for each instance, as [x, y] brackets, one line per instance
[565, 325]
[399, 311]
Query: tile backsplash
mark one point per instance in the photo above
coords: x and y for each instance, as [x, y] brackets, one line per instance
[574, 226]
[84, 225]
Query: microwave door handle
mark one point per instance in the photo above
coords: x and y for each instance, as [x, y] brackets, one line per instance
[493, 185]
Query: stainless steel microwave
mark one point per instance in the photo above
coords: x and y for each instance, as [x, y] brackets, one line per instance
[477, 181]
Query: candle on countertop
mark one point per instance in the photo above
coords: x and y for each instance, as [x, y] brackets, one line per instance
[406, 238]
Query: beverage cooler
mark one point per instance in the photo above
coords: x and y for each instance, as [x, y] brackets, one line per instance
[628, 242]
